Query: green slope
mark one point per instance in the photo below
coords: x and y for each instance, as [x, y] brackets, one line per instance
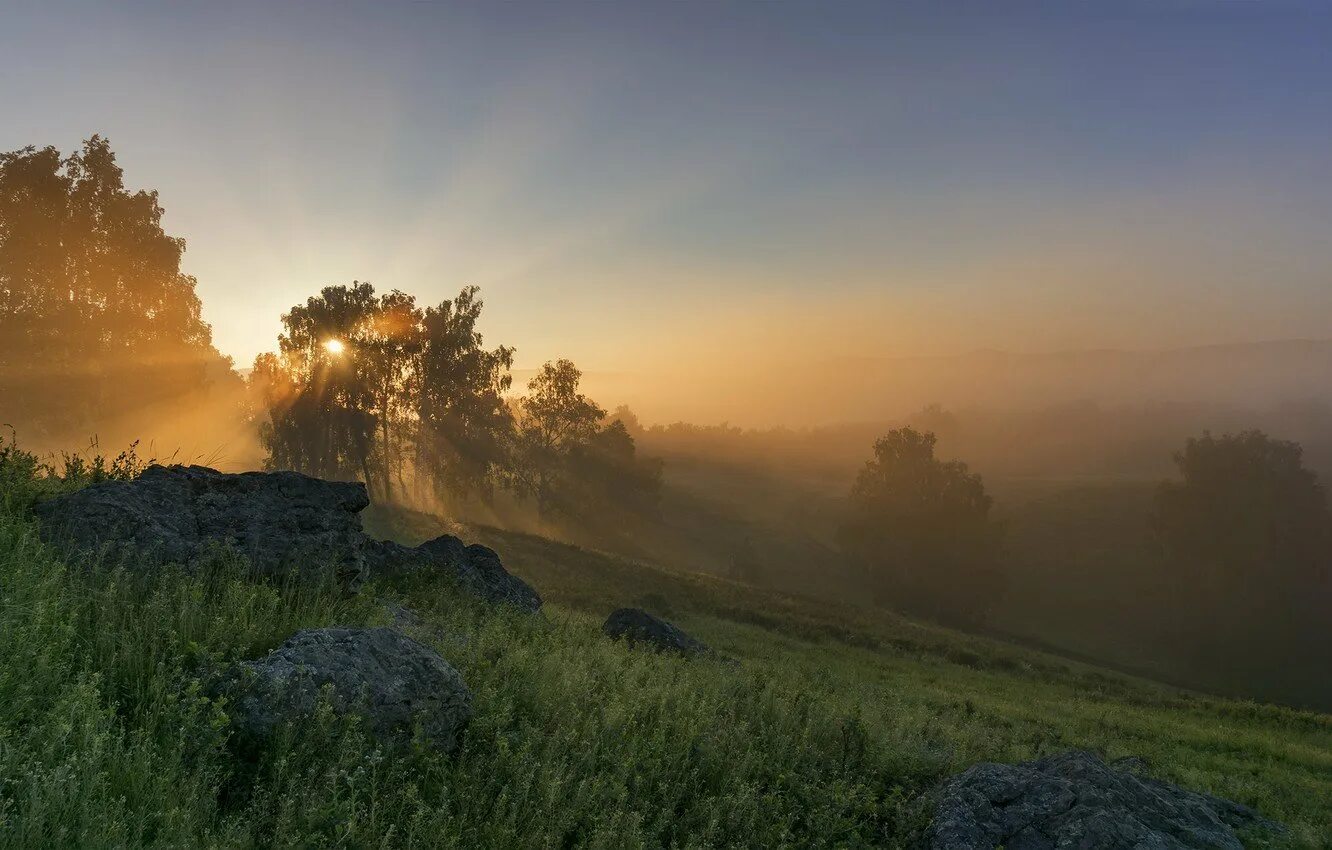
[941, 699]
[831, 732]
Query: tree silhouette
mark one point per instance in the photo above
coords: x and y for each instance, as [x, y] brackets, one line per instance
[1248, 539]
[607, 472]
[921, 530]
[466, 441]
[372, 386]
[556, 416]
[96, 318]
[338, 383]
[388, 347]
[556, 420]
[574, 462]
[413, 403]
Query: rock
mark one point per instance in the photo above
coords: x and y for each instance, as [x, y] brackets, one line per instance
[1074, 800]
[280, 521]
[476, 569]
[639, 627]
[396, 683]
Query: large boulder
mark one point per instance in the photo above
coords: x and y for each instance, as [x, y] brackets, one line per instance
[475, 568]
[639, 628]
[397, 684]
[280, 521]
[1075, 800]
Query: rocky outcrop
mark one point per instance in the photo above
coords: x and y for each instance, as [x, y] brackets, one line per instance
[475, 568]
[397, 684]
[640, 628]
[1075, 800]
[280, 521]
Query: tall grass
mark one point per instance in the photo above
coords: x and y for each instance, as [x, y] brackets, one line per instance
[110, 735]
[107, 737]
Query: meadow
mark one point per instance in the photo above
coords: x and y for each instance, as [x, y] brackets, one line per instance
[831, 731]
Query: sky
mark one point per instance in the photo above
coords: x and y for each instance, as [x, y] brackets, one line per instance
[655, 188]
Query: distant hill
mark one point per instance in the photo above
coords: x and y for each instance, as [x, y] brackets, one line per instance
[816, 391]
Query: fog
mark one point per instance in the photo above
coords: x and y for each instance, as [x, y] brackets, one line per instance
[1002, 470]
[1058, 414]
[801, 388]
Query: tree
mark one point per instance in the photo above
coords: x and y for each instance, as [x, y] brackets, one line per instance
[97, 320]
[1248, 539]
[920, 528]
[466, 440]
[556, 419]
[389, 346]
[556, 416]
[629, 419]
[607, 473]
[372, 386]
[413, 402]
[340, 382]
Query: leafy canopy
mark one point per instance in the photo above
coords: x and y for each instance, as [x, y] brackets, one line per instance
[96, 318]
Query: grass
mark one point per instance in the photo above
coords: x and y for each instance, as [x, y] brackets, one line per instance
[832, 731]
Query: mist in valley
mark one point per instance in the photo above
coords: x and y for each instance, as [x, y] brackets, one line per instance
[708, 424]
[1063, 498]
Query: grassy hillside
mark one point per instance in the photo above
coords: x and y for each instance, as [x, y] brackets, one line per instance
[831, 732]
[938, 700]
[1084, 572]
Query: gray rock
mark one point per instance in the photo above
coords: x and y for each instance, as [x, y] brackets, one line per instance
[397, 684]
[280, 521]
[638, 627]
[476, 569]
[1075, 800]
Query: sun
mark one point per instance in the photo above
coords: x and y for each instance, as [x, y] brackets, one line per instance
[334, 346]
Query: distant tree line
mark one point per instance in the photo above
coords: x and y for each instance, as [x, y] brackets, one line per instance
[1046, 440]
[411, 401]
[98, 322]
[1244, 539]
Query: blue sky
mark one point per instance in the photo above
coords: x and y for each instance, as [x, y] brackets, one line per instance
[633, 184]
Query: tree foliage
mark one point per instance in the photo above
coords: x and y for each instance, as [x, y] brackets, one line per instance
[412, 402]
[921, 529]
[465, 445]
[573, 459]
[609, 472]
[96, 317]
[334, 388]
[556, 416]
[1248, 539]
